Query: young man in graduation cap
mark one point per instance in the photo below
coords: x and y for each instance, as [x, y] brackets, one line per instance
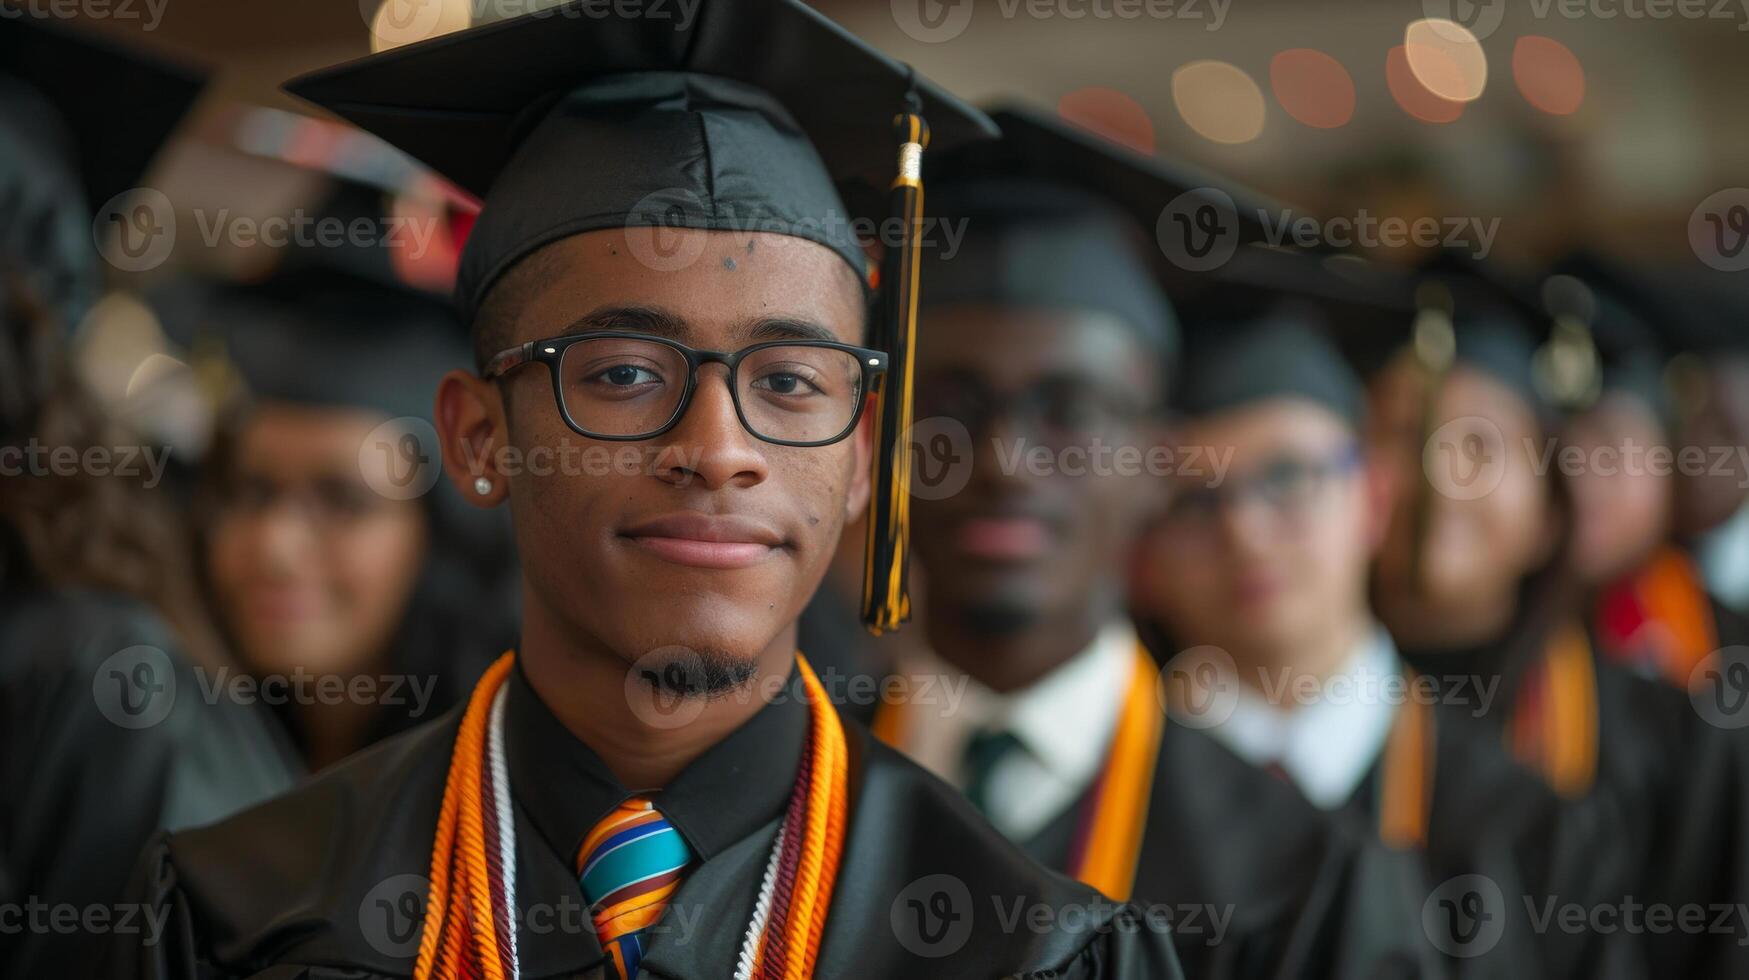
[1473, 583]
[1261, 581]
[655, 757]
[99, 621]
[1046, 345]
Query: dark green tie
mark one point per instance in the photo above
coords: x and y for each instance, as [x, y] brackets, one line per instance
[985, 750]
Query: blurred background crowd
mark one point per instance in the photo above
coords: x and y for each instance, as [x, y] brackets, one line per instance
[224, 318]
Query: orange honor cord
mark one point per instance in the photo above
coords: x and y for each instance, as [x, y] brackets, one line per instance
[1406, 786]
[1114, 825]
[473, 851]
[459, 934]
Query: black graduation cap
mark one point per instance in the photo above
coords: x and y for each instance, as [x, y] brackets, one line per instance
[575, 119]
[319, 335]
[1278, 322]
[80, 119]
[118, 105]
[1057, 215]
[1608, 300]
[1496, 324]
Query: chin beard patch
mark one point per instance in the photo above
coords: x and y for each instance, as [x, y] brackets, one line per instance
[697, 673]
[1001, 617]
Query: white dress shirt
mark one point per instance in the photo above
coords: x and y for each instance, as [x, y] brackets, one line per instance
[1328, 743]
[1724, 560]
[1064, 722]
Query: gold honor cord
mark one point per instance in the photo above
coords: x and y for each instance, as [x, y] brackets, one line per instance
[1554, 721]
[1113, 820]
[885, 601]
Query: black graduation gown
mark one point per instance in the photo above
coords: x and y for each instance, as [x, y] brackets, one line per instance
[1491, 817]
[1663, 823]
[95, 765]
[322, 882]
[1301, 895]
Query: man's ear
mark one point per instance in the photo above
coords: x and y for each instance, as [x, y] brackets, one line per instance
[471, 426]
[862, 451]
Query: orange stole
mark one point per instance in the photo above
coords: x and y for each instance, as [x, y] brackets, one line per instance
[1674, 597]
[1553, 728]
[1115, 816]
[1407, 776]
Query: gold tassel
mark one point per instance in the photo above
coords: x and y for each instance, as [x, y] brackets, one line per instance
[885, 601]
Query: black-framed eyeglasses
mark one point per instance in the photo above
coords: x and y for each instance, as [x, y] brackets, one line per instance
[1286, 486]
[629, 386]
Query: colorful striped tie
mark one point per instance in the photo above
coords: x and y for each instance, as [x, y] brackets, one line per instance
[629, 866]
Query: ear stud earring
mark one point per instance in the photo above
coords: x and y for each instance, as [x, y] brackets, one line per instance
[482, 486]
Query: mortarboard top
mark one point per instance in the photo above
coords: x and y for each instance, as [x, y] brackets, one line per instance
[1708, 311]
[80, 119]
[575, 119]
[567, 121]
[117, 105]
[1277, 323]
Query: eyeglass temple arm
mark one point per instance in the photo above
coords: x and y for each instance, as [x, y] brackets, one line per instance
[502, 362]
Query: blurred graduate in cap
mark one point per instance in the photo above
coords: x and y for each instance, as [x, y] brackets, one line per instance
[661, 266]
[1652, 607]
[330, 550]
[1049, 330]
[106, 737]
[1260, 576]
[1475, 582]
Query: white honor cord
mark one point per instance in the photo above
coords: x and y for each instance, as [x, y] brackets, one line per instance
[506, 820]
[761, 912]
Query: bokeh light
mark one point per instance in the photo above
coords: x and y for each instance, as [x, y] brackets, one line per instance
[1446, 59]
[1219, 101]
[1548, 74]
[398, 22]
[1412, 96]
[1312, 87]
